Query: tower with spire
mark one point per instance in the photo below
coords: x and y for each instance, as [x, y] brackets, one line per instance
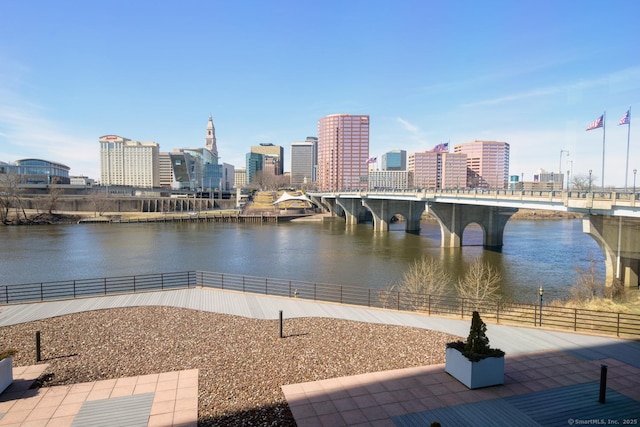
[210, 143]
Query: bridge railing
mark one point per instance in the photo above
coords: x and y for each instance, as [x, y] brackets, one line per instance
[618, 194]
[575, 319]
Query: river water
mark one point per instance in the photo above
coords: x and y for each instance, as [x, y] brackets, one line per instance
[536, 253]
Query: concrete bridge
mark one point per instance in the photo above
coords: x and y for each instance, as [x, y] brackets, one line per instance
[612, 218]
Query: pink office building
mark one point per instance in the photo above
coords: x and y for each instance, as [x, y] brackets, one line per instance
[487, 163]
[343, 152]
[438, 169]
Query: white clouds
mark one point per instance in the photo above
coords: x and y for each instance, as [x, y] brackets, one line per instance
[408, 126]
[540, 92]
[27, 133]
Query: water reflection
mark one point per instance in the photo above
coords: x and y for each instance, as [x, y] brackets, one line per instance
[535, 253]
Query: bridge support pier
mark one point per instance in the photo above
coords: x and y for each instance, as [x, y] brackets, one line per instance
[352, 209]
[330, 205]
[454, 218]
[619, 240]
[384, 209]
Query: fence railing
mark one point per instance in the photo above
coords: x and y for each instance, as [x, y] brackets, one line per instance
[575, 319]
[64, 289]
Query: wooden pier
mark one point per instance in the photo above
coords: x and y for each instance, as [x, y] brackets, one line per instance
[223, 217]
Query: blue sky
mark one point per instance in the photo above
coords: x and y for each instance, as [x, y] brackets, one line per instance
[531, 73]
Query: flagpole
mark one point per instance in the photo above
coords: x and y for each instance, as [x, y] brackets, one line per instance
[626, 171]
[604, 121]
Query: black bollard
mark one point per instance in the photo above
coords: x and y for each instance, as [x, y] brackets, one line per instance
[38, 357]
[603, 383]
[281, 333]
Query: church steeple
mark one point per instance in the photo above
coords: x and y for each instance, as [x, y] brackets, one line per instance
[210, 143]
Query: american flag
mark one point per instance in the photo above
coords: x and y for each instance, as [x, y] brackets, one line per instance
[626, 119]
[372, 160]
[441, 148]
[597, 123]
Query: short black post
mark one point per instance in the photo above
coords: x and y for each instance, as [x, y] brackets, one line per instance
[603, 383]
[38, 357]
[281, 334]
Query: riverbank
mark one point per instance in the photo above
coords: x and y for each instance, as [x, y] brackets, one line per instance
[73, 217]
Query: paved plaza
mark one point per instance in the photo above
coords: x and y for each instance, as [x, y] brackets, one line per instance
[551, 378]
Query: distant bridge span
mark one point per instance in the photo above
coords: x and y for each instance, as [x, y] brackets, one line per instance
[612, 218]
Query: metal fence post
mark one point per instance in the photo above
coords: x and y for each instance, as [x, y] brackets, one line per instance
[38, 356]
[603, 383]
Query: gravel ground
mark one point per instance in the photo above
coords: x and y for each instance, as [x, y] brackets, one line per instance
[242, 362]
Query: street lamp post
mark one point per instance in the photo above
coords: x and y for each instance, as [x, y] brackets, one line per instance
[568, 177]
[590, 171]
[561, 152]
[540, 292]
[634, 180]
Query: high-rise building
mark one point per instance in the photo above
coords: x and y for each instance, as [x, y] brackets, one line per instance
[437, 169]
[343, 151]
[129, 163]
[166, 170]
[254, 164]
[394, 160]
[274, 151]
[487, 163]
[304, 159]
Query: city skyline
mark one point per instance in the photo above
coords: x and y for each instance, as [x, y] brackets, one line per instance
[533, 75]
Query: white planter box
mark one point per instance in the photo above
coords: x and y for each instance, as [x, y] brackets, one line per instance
[6, 373]
[484, 373]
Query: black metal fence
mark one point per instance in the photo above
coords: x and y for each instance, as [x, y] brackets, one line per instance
[64, 289]
[575, 319]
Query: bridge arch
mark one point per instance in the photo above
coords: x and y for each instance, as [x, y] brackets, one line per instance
[383, 211]
[454, 218]
[471, 228]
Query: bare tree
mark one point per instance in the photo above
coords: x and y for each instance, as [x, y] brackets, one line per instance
[51, 203]
[480, 283]
[100, 201]
[425, 277]
[10, 196]
[583, 182]
[266, 181]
